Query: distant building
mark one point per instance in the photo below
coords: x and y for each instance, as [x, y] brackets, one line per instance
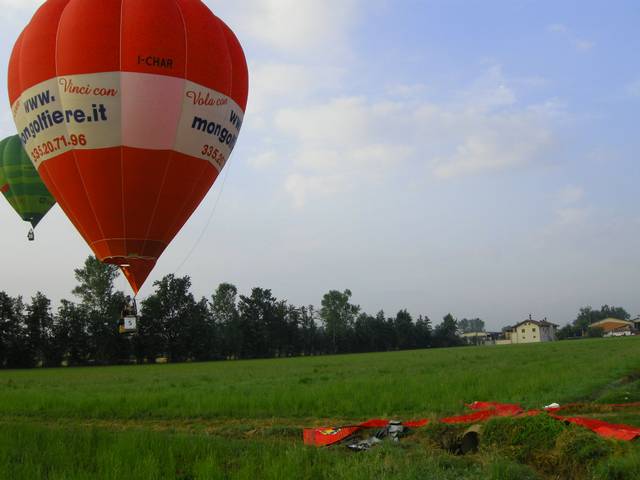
[533, 331]
[477, 338]
[614, 327]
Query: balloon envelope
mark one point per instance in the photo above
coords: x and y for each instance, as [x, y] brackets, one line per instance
[20, 183]
[129, 109]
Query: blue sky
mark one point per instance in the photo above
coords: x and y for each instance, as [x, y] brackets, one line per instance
[478, 157]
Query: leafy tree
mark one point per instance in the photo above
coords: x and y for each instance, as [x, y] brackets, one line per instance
[96, 285]
[404, 330]
[446, 334]
[224, 311]
[263, 324]
[595, 332]
[471, 325]
[423, 332]
[13, 333]
[201, 336]
[39, 331]
[309, 331]
[71, 333]
[103, 307]
[169, 319]
[338, 316]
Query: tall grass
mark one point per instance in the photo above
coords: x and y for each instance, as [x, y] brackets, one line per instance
[403, 384]
[240, 420]
[31, 452]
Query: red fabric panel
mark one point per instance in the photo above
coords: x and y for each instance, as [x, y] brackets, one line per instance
[322, 437]
[33, 59]
[604, 429]
[416, 423]
[155, 30]
[479, 416]
[63, 180]
[89, 37]
[325, 436]
[13, 78]
[209, 62]
[501, 407]
[240, 74]
[91, 181]
[484, 411]
[153, 38]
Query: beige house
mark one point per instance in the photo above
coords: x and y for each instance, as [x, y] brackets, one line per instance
[534, 331]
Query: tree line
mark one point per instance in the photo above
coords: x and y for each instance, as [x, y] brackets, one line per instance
[175, 326]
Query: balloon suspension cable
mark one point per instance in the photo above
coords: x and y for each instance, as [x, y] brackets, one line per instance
[206, 227]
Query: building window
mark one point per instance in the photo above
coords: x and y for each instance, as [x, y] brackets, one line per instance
[523, 330]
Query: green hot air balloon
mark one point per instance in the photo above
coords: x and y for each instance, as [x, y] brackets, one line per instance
[21, 185]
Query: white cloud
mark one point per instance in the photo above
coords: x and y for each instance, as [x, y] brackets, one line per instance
[406, 91]
[300, 187]
[362, 141]
[21, 4]
[570, 194]
[264, 160]
[293, 26]
[273, 84]
[345, 135]
[568, 209]
[580, 44]
[489, 91]
[496, 142]
[571, 216]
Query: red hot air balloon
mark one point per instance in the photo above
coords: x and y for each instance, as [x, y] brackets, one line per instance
[129, 109]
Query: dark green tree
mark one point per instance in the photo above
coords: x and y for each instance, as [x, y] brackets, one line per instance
[224, 311]
[474, 325]
[404, 330]
[259, 322]
[423, 332]
[309, 331]
[13, 332]
[169, 319]
[446, 334]
[338, 316]
[39, 332]
[103, 307]
[72, 333]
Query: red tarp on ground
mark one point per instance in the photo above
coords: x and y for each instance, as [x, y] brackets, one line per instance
[485, 411]
[604, 429]
[325, 436]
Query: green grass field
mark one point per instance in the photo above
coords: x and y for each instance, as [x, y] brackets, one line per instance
[244, 419]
